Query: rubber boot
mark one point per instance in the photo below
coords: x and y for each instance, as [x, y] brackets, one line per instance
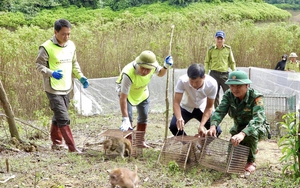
[67, 135]
[142, 127]
[56, 138]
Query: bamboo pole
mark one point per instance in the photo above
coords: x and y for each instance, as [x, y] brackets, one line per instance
[167, 86]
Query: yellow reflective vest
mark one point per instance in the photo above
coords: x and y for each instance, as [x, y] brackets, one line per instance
[60, 58]
[139, 88]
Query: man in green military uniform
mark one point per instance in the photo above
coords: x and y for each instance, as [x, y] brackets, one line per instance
[219, 58]
[245, 105]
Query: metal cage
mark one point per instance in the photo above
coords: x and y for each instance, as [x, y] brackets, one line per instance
[184, 150]
[221, 155]
[276, 105]
[136, 138]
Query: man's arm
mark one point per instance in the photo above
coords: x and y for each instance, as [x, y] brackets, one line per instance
[162, 72]
[219, 114]
[124, 92]
[177, 110]
[207, 111]
[41, 63]
[123, 104]
[231, 61]
[258, 118]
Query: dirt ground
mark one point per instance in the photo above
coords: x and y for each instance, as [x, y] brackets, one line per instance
[60, 169]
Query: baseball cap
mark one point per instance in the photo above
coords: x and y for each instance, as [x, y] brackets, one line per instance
[147, 59]
[238, 78]
[220, 34]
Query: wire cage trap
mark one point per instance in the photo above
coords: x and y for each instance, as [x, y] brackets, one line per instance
[135, 136]
[137, 143]
[184, 150]
[221, 155]
[277, 105]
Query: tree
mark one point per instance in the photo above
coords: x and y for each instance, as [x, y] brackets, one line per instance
[9, 113]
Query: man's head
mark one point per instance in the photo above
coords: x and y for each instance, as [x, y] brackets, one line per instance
[238, 82]
[62, 31]
[196, 74]
[284, 57]
[146, 61]
[220, 38]
[293, 56]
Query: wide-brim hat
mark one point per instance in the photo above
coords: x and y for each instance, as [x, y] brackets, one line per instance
[147, 59]
[238, 78]
[293, 54]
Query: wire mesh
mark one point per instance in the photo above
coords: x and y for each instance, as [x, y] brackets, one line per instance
[137, 143]
[276, 105]
[184, 150]
[136, 137]
[221, 155]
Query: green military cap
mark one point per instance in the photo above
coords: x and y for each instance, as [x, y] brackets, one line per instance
[238, 78]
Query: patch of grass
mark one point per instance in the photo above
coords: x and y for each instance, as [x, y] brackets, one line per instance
[46, 168]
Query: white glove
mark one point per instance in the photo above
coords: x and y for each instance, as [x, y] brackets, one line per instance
[125, 124]
[168, 62]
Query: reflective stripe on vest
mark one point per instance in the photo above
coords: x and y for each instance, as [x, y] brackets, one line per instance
[60, 58]
[139, 87]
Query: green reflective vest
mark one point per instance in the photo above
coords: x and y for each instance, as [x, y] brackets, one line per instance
[139, 88]
[60, 58]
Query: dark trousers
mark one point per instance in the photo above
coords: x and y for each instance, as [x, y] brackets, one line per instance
[187, 116]
[221, 78]
[59, 104]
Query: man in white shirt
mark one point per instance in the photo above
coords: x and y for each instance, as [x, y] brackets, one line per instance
[195, 95]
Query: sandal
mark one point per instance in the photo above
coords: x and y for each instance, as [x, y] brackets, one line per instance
[250, 167]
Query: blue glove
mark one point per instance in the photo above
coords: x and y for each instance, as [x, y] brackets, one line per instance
[168, 62]
[57, 74]
[84, 82]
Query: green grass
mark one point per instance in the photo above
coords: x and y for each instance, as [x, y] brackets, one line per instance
[46, 168]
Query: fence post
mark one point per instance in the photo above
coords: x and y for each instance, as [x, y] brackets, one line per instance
[298, 139]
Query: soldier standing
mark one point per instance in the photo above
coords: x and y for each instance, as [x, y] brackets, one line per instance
[245, 106]
[219, 58]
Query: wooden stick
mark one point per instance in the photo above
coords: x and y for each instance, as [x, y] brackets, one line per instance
[167, 87]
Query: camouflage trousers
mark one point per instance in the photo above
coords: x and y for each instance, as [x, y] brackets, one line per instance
[250, 141]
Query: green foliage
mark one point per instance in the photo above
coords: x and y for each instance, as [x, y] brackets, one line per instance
[42, 118]
[107, 40]
[173, 167]
[290, 146]
[32, 7]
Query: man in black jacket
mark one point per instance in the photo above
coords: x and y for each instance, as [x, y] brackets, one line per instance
[281, 64]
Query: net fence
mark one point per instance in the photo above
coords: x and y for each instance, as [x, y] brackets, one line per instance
[101, 97]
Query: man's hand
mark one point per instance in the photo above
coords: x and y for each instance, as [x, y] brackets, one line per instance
[125, 124]
[201, 131]
[180, 124]
[236, 139]
[57, 74]
[212, 131]
[168, 62]
[84, 81]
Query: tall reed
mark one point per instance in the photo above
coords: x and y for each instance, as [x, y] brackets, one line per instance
[104, 48]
